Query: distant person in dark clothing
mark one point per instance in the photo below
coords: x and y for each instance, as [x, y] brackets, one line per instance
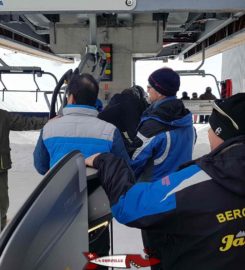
[194, 97]
[185, 96]
[206, 96]
[125, 109]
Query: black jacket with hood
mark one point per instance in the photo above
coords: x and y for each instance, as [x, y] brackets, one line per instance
[124, 111]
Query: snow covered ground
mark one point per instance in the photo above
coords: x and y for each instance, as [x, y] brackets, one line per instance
[23, 179]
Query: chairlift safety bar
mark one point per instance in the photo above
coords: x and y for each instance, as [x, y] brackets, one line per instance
[199, 106]
[21, 70]
[191, 72]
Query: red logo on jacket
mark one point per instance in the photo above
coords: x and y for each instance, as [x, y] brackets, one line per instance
[166, 181]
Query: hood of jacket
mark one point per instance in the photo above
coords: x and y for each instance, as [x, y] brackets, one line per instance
[170, 111]
[226, 165]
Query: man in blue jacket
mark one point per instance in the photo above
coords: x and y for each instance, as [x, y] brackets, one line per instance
[165, 134]
[199, 211]
[79, 129]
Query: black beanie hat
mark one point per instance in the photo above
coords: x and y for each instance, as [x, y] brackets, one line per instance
[165, 81]
[228, 117]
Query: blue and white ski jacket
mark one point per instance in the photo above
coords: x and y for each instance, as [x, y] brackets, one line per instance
[78, 129]
[167, 136]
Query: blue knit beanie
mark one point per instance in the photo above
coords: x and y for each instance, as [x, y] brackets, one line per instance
[165, 81]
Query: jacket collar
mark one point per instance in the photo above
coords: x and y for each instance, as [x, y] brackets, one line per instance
[159, 102]
[170, 111]
[80, 110]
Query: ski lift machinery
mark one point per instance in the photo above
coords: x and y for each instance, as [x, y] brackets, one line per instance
[94, 59]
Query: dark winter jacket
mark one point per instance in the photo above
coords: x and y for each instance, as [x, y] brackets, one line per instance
[185, 98]
[199, 210]
[166, 137]
[124, 112]
[16, 122]
[207, 96]
[78, 129]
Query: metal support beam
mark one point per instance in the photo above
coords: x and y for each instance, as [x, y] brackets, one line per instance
[38, 20]
[64, 6]
[24, 48]
[213, 28]
[190, 5]
[34, 29]
[93, 29]
[203, 57]
[229, 36]
[23, 30]
[84, 6]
